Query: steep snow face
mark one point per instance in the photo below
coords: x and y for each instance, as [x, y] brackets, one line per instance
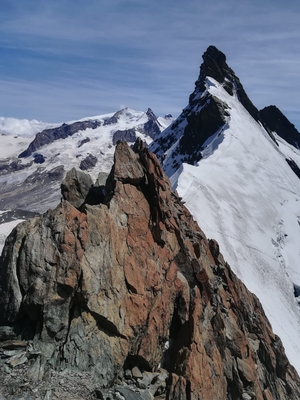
[5, 230]
[244, 194]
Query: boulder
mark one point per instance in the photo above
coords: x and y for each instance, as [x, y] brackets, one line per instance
[75, 187]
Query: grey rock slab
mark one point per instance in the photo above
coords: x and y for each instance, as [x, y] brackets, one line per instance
[75, 187]
[147, 379]
[128, 393]
[136, 373]
[11, 353]
[146, 395]
[6, 333]
[13, 344]
[17, 359]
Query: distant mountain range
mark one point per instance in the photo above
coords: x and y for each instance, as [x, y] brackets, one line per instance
[236, 168]
[32, 166]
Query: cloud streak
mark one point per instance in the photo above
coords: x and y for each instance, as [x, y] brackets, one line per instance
[71, 54]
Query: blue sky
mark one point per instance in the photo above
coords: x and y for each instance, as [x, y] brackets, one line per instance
[63, 60]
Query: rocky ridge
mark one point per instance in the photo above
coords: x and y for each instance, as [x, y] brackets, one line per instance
[272, 117]
[214, 65]
[119, 287]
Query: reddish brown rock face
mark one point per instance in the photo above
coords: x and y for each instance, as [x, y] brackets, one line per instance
[133, 281]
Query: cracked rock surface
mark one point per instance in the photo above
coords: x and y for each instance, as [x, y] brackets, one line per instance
[124, 297]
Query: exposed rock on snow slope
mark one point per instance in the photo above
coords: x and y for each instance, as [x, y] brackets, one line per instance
[32, 181]
[241, 191]
[278, 123]
[121, 282]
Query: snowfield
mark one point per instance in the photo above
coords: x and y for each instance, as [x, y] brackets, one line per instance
[5, 230]
[244, 194]
[25, 184]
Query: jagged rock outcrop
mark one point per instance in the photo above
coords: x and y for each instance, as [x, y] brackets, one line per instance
[277, 122]
[153, 127]
[131, 287]
[214, 65]
[75, 187]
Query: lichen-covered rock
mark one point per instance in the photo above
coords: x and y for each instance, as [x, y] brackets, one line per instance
[132, 283]
[75, 187]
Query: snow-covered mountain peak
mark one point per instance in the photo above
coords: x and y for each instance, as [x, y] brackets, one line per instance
[36, 164]
[214, 65]
[206, 114]
[238, 177]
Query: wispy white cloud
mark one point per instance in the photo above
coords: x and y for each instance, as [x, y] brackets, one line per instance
[141, 53]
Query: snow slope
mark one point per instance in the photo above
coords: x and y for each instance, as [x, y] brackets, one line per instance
[36, 187]
[244, 194]
[67, 151]
[5, 230]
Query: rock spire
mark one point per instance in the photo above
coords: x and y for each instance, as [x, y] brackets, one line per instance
[214, 65]
[204, 116]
